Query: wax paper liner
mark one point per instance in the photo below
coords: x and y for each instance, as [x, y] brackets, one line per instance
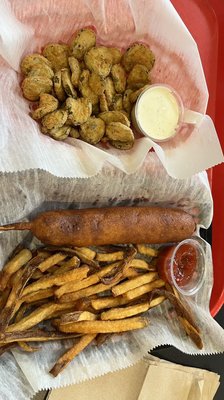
[26, 26]
[26, 193]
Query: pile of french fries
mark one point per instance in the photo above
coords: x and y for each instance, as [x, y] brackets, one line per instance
[87, 294]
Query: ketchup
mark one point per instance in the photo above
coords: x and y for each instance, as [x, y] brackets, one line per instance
[184, 265]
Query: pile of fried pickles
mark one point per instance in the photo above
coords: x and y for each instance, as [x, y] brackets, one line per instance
[83, 294]
[86, 91]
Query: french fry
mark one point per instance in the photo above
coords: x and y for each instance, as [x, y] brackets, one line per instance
[74, 262]
[141, 264]
[57, 280]
[14, 265]
[192, 332]
[133, 283]
[133, 273]
[51, 260]
[89, 291]
[139, 291]
[34, 296]
[21, 278]
[89, 253]
[156, 301]
[40, 314]
[146, 250]
[119, 272]
[76, 286]
[91, 280]
[63, 361]
[88, 327]
[26, 347]
[78, 316]
[125, 312]
[108, 302]
[35, 335]
[109, 257]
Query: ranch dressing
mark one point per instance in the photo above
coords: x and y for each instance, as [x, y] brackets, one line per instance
[157, 112]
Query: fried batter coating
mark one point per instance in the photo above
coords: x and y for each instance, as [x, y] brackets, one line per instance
[75, 69]
[109, 90]
[60, 133]
[42, 70]
[119, 78]
[99, 60]
[85, 89]
[74, 133]
[114, 116]
[134, 95]
[78, 110]
[47, 104]
[122, 145]
[138, 77]
[31, 61]
[138, 54]
[126, 101]
[58, 87]
[103, 103]
[116, 54]
[96, 83]
[33, 86]
[67, 84]
[95, 109]
[93, 130]
[81, 42]
[117, 103]
[119, 132]
[55, 119]
[57, 54]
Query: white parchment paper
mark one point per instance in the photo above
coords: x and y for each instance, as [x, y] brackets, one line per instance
[26, 193]
[26, 26]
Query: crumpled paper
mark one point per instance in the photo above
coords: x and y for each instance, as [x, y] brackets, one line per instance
[26, 26]
[29, 192]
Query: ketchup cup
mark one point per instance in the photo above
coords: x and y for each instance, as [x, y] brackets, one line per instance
[183, 266]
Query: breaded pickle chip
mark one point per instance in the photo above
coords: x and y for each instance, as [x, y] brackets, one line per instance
[93, 130]
[31, 61]
[117, 103]
[119, 132]
[99, 60]
[81, 42]
[103, 103]
[138, 77]
[122, 145]
[42, 70]
[134, 95]
[57, 54]
[96, 83]
[114, 116]
[109, 90]
[78, 110]
[47, 104]
[116, 54]
[67, 84]
[119, 78]
[33, 86]
[126, 101]
[75, 70]
[60, 133]
[58, 87]
[138, 54]
[74, 133]
[55, 119]
[85, 89]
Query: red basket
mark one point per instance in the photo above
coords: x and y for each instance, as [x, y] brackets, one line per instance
[205, 21]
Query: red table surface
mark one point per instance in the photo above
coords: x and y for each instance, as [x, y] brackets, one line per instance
[205, 21]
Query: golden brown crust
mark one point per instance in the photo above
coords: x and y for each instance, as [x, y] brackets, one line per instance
[113, 225]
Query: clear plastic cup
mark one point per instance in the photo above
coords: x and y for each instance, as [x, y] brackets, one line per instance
[183, 265]
[198, 277]
[159, 113]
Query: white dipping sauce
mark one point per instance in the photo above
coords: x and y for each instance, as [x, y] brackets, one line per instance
[158, 112]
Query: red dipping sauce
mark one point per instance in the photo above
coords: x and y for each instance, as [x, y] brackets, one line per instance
[183, 265]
